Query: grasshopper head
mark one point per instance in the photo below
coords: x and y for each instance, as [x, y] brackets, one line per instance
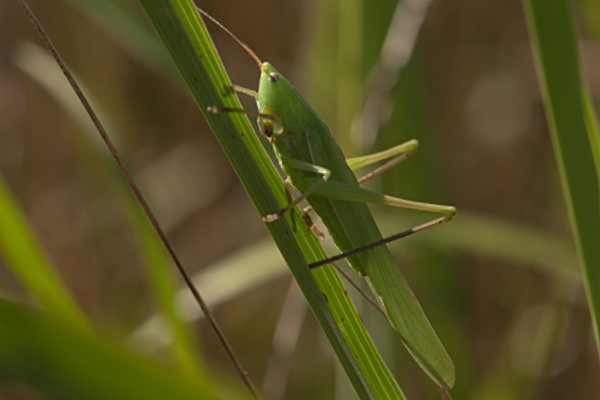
[278, 97]
[273, 90]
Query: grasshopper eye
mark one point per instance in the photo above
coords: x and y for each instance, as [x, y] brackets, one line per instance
[273, 77]
[268, 130]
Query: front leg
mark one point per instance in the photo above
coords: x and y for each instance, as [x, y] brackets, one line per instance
[322, 172]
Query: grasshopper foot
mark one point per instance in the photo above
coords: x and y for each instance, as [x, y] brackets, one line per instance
[275, 216]
[310, 223]
[318, 232]
[271, 217]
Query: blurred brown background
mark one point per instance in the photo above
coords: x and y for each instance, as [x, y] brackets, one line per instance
[515, 327]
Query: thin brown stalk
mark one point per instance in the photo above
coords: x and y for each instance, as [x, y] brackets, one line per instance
[138, 195]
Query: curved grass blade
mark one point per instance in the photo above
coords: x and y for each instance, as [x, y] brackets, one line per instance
[29, 262]
[554, 44]
[190, 45]
[64, 363]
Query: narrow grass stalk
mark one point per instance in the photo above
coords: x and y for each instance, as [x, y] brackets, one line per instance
[189, 43]
[151, 218]
[554, 43]
[43, 70]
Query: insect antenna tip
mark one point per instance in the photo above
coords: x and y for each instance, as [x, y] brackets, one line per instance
[243, 45]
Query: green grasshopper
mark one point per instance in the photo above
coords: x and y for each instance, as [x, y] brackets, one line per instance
[315, 165]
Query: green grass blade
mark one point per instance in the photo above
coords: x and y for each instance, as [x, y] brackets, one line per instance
[64, 363]
[190, 45]
[591, 120]
[29, 262]
[164, 288]
[555, 47]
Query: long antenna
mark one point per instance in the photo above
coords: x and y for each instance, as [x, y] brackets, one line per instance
[243, 45]
[138, 194]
